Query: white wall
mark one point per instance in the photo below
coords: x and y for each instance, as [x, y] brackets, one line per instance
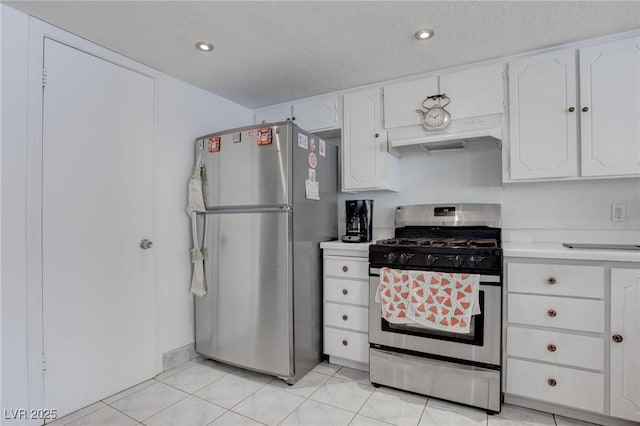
[467, 176]
[184, 112]
[14, 35]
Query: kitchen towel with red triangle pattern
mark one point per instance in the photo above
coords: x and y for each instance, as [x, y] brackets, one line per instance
[444, 301]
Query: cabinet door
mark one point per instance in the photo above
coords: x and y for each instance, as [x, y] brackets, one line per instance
[364, 142]
[273, 114]
[321, 113]
[474, 92]
[625, 355]
[610, 94]
[543, 129]
[402, 100]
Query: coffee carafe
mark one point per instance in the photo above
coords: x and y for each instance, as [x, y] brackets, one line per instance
[359, 216]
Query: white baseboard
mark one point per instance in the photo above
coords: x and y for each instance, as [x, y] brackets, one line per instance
[178, 356]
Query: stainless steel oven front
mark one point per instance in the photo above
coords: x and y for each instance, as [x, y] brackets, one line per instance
[482, 345]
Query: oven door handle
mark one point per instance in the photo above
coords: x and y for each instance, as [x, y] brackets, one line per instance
[375, 272]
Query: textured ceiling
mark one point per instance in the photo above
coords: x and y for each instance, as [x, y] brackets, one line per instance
[270, 51]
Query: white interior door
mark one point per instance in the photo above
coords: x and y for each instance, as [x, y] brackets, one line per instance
[99, 296]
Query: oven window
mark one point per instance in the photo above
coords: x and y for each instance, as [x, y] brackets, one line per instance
[475, 336]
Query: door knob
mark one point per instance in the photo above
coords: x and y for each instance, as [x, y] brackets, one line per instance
[551, 348]
[585, 109]
[552, 382]
[617, 338]
[571, 109]
[552, 313]
[145, 244]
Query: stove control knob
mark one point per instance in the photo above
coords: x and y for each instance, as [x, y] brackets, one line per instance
[431, 259]
[392, 257]
[458, 261]
[404, 258]
[475, 260]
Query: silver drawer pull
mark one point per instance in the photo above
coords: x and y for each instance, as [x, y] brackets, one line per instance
[551, 348]
[345, 268]
[551, 280]
[552, 382]
[345, 343]
[345, 317]
[552, 313]
[345, 291]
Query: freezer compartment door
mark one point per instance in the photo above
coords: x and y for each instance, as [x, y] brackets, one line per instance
[243, 173]
[246, 317]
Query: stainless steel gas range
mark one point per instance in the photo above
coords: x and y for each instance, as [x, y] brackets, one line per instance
[460, 367]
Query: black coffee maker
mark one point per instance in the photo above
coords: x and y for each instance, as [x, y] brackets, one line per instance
[359, 214]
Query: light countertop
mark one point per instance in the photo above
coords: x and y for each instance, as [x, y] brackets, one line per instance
[552, 250]
[339, 245]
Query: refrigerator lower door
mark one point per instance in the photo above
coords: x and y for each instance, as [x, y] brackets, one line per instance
[246, 318]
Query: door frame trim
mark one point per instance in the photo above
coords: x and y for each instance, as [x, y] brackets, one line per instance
[38, 31]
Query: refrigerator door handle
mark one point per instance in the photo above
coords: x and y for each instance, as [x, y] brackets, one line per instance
[247, 209]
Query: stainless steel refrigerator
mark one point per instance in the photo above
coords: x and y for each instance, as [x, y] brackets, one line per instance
[263, 307]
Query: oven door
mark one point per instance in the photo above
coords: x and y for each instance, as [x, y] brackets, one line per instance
[481, 345]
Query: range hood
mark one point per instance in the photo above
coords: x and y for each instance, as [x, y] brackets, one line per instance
[477, 133]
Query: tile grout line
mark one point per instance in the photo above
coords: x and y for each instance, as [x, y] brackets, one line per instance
[423, 410]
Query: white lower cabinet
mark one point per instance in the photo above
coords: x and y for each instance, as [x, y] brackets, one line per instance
[346, 306]
[624, 343]
[558, 339]
[559, 385]
[555, 325]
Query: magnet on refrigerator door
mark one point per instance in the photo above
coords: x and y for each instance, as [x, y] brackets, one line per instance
[303, 141]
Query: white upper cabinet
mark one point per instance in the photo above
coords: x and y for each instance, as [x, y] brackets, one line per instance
[610, 108]
[545, 114]
[625, 343]
[402, 100]
[312, 114]
[543, 111]
[274, 114]
[366, 164]
[473, 92]
[319, 113]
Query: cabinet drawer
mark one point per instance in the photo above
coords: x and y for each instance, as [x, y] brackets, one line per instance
[556, 312]
[346, 267]
[558, 280]
[346, 344]
[346, 291]
[346, 316]
[561, 348]
[573, 388]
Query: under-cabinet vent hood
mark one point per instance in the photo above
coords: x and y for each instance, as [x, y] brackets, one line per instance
[467, 133]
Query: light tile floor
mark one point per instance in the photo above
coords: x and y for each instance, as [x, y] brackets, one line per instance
[203, 392]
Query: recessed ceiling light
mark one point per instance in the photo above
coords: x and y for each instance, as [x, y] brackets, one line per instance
[424, 34]
[205, 47]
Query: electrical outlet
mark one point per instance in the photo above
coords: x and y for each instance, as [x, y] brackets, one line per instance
[618, 212]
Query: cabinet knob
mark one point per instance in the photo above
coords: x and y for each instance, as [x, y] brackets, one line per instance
[617, 338]
[551, 348]
[345, 291]
[552, 382]
[585, 109]
[345, 317]
[377, 135]
[293, 118]
[571, 109]
[345, 343]
[345, 268]
[552, 313]
[551, 280]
